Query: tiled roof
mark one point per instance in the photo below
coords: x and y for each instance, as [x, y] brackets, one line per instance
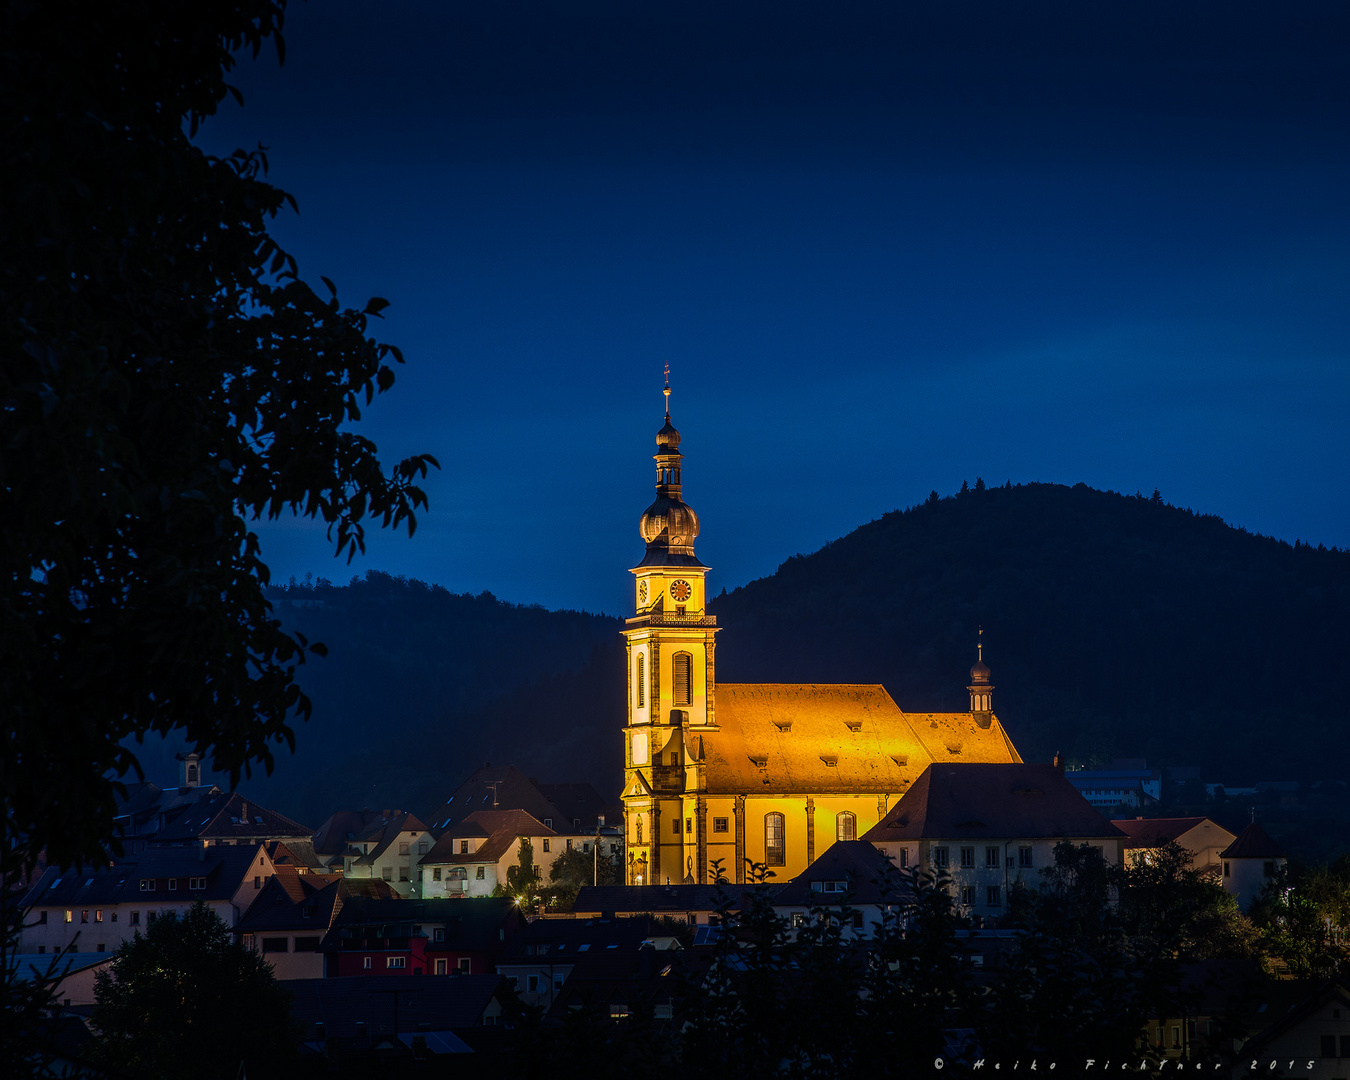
[224, 867]
[1253, 843]
[502, 826]
[384, 833]
[494, 787]
[292, 901]
[570, 939]
[228, 817]
[991, 801]
[871, 877]
[443, 1003]
[296, 852]
[775, 737]
[1154, 832]
[469, 925]
[336, 834]
[578, 802]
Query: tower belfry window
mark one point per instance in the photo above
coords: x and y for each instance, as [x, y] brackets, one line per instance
[684, 673]
[641, 681]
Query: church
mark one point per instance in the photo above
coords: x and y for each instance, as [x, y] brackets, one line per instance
[769, 773]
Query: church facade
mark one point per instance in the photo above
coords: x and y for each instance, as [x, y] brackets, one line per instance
[723, 776]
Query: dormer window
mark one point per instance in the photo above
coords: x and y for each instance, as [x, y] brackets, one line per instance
[759, 762]
[783, 726]
[830, 760]
[854, 725]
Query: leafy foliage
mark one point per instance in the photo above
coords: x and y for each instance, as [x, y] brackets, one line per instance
[165, 377]
[184, 992]
[522, 880]
[1303, 915]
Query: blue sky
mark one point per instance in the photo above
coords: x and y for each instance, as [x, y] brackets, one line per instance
[884, 248]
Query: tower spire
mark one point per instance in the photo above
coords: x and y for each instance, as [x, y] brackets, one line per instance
[666, 391]
[981, 689]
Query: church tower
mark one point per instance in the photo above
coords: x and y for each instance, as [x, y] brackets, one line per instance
[981, 689]
[670, 683]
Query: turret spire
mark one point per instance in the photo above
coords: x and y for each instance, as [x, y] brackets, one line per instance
[669, 525]
[981, 689]
[666, 391]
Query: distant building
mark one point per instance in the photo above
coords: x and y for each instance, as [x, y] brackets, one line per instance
[389, 848]
[1249, 862]
[95, 910]
[991, 827]
[764, 773]
[418, 937]
[1203, 838]
[852, 870]
[471, 859]
[1128, 782]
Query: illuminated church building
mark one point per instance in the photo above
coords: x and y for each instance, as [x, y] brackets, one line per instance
[773, 773]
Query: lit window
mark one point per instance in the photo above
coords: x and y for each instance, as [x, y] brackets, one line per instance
[98, 916]
[684, 669]
[845, 826]
[481, 875]
[546, 848]
[641, 681]
[436, 873]
[365, 962]
[775, 840]
[463, 847]
[70, 915]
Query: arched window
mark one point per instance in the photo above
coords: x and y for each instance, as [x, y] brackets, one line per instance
[684, 678]
[191, 774]
[845, 826]
[775, 840]
[641, 681]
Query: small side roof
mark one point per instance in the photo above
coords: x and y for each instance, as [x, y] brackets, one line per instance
[870, 876]
[1253, 843]
[989, 801]
[1154, 832]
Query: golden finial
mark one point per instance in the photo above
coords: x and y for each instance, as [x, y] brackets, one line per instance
[666, 391]
[979, 645]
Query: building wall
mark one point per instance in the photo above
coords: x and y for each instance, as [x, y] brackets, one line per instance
[107, 927]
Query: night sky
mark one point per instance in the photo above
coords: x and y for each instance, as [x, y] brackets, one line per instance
[882, 253]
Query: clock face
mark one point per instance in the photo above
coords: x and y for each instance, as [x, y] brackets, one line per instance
[679, 591]
[642, 592]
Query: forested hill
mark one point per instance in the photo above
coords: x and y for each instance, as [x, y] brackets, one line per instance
[421, 686]
[1113, 625]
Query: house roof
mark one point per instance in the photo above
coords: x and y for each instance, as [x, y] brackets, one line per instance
[495, 787]
[470, 925]
[872, 878]
[578, 803]
[337, 833]
[574, 939]
[292, 901]
[383, 833]
[227, 817]
[1253, 843]
[1155, 832]
[224, 867]
[987, 801]
[1335, 990]
[502, 827]
[341, 1004]
[295, 852]
[791, 737]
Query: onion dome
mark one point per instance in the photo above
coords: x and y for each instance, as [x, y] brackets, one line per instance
[669, 522]
[668, 438]
[979, 672]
